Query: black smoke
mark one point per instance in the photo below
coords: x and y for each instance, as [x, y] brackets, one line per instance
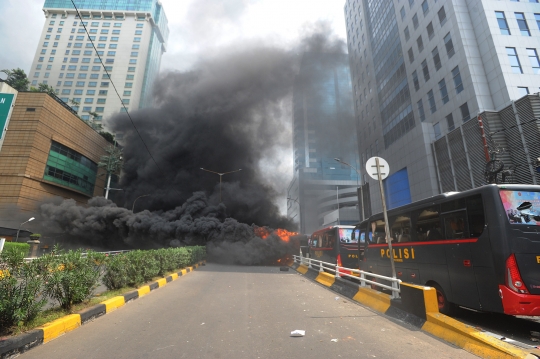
[231, 111]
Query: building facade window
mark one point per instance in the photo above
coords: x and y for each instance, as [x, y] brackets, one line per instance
[425, 7]
[522, 24]
[533, 58]
[421, 111]
[442, 16]
[420, 43]
[514, 60]
[425, 70]
[415, 21]
[449, 45]
[523, 91]
[450, 122]
[411, 55]
[537, 18]
[431, 99]
[406, 31]
[436, 58]
[457, 79]
[444, 91]
[465, 114]
[503, 24]
[402, 13]
[437, 130]
[71, 169]
[415, 80]
[430, 30]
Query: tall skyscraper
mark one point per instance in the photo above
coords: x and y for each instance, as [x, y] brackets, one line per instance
[130, 37]
[323, 191]
[423, 68]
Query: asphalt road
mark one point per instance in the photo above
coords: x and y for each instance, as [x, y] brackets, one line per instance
[222, 311]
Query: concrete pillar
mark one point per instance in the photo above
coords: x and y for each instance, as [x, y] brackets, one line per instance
[34, 246]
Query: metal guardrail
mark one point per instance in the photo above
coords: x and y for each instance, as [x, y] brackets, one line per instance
[110, 253]
[361, 275]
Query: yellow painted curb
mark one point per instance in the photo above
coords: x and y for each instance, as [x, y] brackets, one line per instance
[60, 326]
[373, 299]
[302, 269]
[161, 282]
[184, 272]
[326, 279]
[113, 303]
[174, 276]
[143, 290]
[470, 339]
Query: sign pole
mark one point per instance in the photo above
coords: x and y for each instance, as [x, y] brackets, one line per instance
[386, 225]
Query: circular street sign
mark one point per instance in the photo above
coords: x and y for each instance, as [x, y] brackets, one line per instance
[371, 168]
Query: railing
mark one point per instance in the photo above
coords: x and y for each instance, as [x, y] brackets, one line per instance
[339, 271]
[110, 253]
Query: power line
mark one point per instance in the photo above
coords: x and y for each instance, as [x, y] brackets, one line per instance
[115, 90]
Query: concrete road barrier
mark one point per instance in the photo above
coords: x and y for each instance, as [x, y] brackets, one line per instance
[418, 306]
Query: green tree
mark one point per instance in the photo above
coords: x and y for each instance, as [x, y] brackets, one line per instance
[17, 79]
[46, 88]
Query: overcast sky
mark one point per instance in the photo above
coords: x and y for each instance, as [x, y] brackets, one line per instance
[196, 26]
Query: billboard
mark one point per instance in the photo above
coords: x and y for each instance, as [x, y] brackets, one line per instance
[6, 100]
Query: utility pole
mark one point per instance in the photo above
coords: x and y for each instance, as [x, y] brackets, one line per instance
[112, 164]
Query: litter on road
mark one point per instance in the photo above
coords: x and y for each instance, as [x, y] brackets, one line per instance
[334, 340]
[298, 333]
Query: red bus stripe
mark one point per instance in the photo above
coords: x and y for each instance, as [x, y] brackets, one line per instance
[321, 249]
[444, 241]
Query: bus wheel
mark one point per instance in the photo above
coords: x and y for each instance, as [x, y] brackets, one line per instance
[445, 307]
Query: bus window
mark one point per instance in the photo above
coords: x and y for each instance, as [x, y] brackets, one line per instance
[454, 225]
[475, 212]
[401, 228]
[329, 240]
[379, 235]
[428, 225]
[346, 235]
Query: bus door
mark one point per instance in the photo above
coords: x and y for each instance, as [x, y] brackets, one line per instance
[459, 259]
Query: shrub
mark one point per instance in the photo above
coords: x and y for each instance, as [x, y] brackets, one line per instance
[196, 254]
[20, 290]
[70, 277]
[116, 276]
[142, 267]
[19, 247]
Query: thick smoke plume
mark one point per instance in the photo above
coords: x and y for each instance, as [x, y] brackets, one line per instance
[103, 224]
[232, 111]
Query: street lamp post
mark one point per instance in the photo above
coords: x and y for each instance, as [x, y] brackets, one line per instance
[220, 176]
[133, 206]
[358, 174]
[30, 220]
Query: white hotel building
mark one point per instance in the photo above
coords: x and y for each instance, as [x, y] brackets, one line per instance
[130, 37]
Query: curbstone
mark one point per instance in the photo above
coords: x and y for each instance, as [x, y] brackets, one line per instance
[418, 306]
[113, 303]
[60, 326]
[91, 313]
[128, 297]
[12, 347]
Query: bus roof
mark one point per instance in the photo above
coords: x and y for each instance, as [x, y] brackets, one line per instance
[477, 190]
[331, 227]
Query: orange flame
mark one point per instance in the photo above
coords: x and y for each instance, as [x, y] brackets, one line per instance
[283, 234]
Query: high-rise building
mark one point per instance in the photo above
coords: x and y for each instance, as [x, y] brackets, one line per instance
[129, 37]
[422, 68]
[323, 191]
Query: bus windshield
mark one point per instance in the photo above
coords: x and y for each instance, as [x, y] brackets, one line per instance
[521, 207]
[345, 235]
